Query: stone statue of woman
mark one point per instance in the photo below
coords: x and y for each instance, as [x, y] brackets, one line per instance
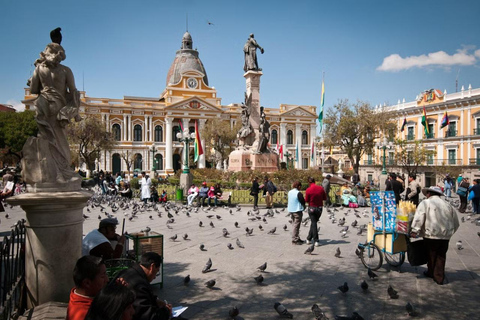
[250, 52]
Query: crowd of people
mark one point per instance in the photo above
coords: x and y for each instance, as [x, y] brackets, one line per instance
[211, 194]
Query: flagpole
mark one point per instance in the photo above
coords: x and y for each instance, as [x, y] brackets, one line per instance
[321, 124]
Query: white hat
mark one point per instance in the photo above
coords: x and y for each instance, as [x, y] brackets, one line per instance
[434, 190]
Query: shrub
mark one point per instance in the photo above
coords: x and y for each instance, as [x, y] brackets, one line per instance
[134, 183]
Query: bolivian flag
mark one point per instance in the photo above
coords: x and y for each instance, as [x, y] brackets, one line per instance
[424, 121]
[198, 143]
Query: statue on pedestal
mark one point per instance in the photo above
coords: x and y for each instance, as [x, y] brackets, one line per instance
[246, 133]
[47, 163]
[250, 51]
[264, 133]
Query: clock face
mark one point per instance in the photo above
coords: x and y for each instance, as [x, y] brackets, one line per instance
[192, 83]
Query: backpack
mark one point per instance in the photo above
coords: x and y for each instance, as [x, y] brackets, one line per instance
[274, 187]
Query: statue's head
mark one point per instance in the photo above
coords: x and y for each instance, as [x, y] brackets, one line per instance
[52, 55]
[251, 35]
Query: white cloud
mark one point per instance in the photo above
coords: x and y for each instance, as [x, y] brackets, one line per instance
[16, 104]
[395, 62]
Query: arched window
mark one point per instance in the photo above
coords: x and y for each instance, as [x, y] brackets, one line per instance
[304, 137]
[158, 134]
[175, 129]
[158, 162]
[191, 129]
[116, 132]
[137, 133]
[289, 137]
[137, 163]
[274, 138]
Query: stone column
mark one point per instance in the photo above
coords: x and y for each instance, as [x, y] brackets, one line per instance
[298, 140]
[201, 160]
[53, 242]
[283, 139]
[107, 123]
[151, 128]
[253, 87]
[124, 131]
[130, 129]
[145, 134]
[169, 146]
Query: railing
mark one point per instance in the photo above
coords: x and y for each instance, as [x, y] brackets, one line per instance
[451, 133]
[474, 161]
[476, 132]
[12, 273]
[452, 162]
[430, 135]
[411, 137]
[369, 162]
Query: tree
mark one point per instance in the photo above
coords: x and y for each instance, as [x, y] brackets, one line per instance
[88, 138]
[355, 127]
[412, 154]
[219, 139]
[129, 157]
[15, 129]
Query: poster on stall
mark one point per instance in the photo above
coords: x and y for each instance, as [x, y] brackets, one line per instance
[377, 199]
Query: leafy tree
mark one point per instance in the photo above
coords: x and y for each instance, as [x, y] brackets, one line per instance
[219, 139]
[355, 127]
[129, 157]
[88, 138]
[412, 154]
[15, 129]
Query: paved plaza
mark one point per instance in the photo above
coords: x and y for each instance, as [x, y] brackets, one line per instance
[293, 278]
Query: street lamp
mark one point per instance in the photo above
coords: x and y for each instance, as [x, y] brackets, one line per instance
[288, 155]
[153, 150]
[384, 144]
[185, 137]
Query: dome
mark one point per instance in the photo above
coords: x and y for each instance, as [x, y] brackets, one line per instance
[186, 59]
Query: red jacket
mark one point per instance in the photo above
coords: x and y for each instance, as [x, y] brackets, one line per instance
[78, 306]
[315, 195]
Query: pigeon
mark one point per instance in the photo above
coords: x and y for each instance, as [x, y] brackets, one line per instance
[250, 232]
[338, 252]
[210, 216]
[185, 236]
[343, 288]
[358, 252]
[208, 265]
[259, 279]
[210, 284]
[285, 227]
[309, 249]
[232, 313]
[260, 227]
[410, 309]
[202, 247]
[219, 217]
[99, 217]
[174, 237]
[146, 230]
[56, 35]
[211, 224]
[225, 232]
[317, 313]
[263, 267]
[200, 224]
[186, 280]
[85, 216]
[371, 274]
[355, 316]
[272, 231]
[463, 219]
[478, 234]
[364, 285]
[282, 311]
[151, 218]
[459, 245]
[392, 293]
[229, 246]
[236, 224]
[239, 244]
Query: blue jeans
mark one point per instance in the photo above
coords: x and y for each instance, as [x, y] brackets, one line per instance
[214, 200]
[448, 192]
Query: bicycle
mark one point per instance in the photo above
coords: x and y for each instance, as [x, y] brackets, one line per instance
[372, 254]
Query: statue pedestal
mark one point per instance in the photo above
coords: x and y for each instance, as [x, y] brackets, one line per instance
[382, 178]
[245, 160]
[252, 82]
[53, 242]
[186, 180]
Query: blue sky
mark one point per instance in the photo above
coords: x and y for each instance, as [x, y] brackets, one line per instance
[374, 51]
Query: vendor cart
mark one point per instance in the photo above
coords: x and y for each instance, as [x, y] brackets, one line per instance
[383, 238]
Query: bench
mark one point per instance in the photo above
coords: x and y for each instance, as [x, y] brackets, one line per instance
[227, 197]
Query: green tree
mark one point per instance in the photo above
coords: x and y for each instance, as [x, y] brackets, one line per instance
[88, 138]
[129, 158]
[355, 127]
[15, 129]
[220, 139]
[411, 154]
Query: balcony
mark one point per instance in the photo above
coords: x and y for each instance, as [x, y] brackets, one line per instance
[410, 137]
[368, 162]
[430, 135]
[451, 162]
[476, 132]
[474, 161]
[390, 161]
[450, 133]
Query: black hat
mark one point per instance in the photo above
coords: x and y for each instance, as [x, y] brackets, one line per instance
[108, 222]
[328, 176]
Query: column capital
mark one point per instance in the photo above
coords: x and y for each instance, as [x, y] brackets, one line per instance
[169, 121]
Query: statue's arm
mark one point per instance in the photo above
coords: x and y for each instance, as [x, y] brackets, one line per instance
[35, 84]
[70, 79]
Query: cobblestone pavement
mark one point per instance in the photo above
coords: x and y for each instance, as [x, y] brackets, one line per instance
[293, 278]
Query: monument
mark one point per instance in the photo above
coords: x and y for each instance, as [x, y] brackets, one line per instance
[252, 152]
[55, 201]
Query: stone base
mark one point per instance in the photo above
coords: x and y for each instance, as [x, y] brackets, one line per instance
[245, 160]
[53, 242]
[186, 180]
[382, 178]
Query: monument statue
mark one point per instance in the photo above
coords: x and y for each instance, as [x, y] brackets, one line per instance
[250, 51]
[46, 159]
[246, 133]
[264, 133]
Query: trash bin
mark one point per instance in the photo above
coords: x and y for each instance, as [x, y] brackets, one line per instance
[179, 196]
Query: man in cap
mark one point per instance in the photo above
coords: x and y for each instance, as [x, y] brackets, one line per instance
[101, 242]
[203, 193]
[326, 187]
[436, 221]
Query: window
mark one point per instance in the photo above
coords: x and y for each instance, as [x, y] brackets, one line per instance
[304, 137]
[430, 159]
[158, 134]
[191, 129]
[477, 160]
[410, 133]
[137, 163]
[452, 156]
[452, 129]
[431, 133]
[391, 158]
[137, 133]
[274, 138]
[175, 129]
[370, 178]
[289, 137]
[476, 131]
[116, 132]
[304, 163]
[370, 159]
[158, 162]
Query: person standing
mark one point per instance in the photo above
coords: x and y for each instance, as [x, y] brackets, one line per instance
[459, 179]
[392, 184]
[254, 190]
[475, 188]
[145, 185]
[463, 198]
[314, 195]
[436, 221]
[413, 190]
[268, 192]
[326, 187]
[296, 205]
[448, 184]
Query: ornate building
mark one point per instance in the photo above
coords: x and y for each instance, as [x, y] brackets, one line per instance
[147, 127]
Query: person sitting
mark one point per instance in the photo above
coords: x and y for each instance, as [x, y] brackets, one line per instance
[138, 277]
[6, 192]
[113, 302]
[89, 276]
[163, 196]
[192, 194]
[126, 192]
[153, 194]
[203, 193]
[214, 193]
[100, 242]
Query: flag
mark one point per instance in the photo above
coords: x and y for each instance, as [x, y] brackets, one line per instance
[277, 148]
[445, 121]
[404, 124]
[296, 152]
[322, 103]
[280, 151]
[180, 125]
[424, 121]
[198, 143]
[313, 151]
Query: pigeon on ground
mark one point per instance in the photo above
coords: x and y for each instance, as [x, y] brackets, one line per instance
[236, 224]
[355, 316]
[410, 309]
[272, 231]
[208, 265]
[282, 311]
[185, 236]
[317, 313]
[186, 280]
[285, 227]
[260, 227]
[99, 217]
[364, 285]
[229, 246]
[225, 232]
[259, 279]
[343, 288]
[310, 249]
[338, 252]
[371, 274]
[210, 216]
[392, 293]
[200, 224]
[219, 217]
[174, 237]
[211, 224]
[202, 247]
[239, 244]
[263, 267]
[232, 313]
[459, 245]
[210, 284]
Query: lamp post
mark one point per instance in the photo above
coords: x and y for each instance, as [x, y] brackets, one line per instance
[287, 155]
[153, 150]
[186, 138]
[384, 145]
